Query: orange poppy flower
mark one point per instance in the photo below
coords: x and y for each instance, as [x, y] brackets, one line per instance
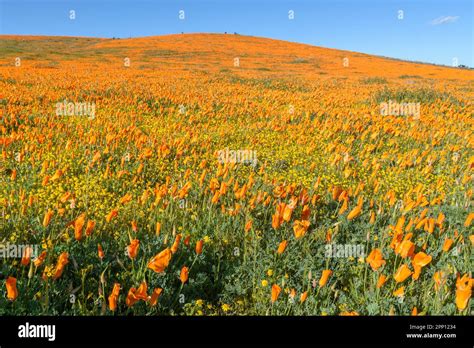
[132, 249]
[199, 245]
[65, 197]
[113, 297]
[186, 240]
[375, 259]
[39, 261]
[125, 199]
[303, 296]
[402, 273]
[400, 223]
[399, 292]
[355, 212]
[406, 248]
[96, 157]
[396, 240]
[30, 201]
[78, 225]
[381, 281]
[463, 291]
[184, 274]
[469, 219]
[215, 197]
[300, 228]
[26, 258]
[440, 219]
[277, 218]
[135, 295]
[12, 291]
[47, 218]
[324, 277]
[336, 191]
[174, 247]
[131, 298]
[141, 292]
[429, 225]
[305, 213]
[372, 218]
[275, 292]
[276, 221]
[447, 244]
[287, 212]
[160, 261]
[45, 180]
[100, 251]
[63, 260]
[158, 228]
[328, 236]
[420, 260]
[344, 206]
[282, 247]
[154, 296]
[113, 213]
[89, 227]
[248, 226]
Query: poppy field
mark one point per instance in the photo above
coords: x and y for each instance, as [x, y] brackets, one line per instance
[221, 174]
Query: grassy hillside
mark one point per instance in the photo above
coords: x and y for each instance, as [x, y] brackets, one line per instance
[208, 174]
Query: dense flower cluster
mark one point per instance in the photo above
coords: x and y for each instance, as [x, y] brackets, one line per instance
[135, 212]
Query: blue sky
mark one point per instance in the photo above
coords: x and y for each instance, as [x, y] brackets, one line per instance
[434, 31]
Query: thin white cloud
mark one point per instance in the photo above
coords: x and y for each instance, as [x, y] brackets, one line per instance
[444, 20]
